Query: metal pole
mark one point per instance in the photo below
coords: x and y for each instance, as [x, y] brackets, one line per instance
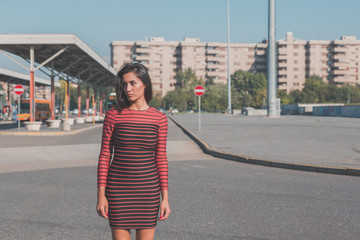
[87, 100]
[79, 100]
[66, 100]
[94, 107]
[18, 116]
[52, 92]
[271, 59]
[199, 114]
[101, 95]
[68, 97]
[32, 85]
[228, 59]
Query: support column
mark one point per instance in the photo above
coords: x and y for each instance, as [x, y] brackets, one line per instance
[68, 97]
[8, 94]
[101, 103]
[95, 100]
[52, 93]
[87, 100]
[32, 85]
[79, 100]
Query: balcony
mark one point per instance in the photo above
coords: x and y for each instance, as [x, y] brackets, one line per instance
[340, 50]
[282, 57]
[260, 59]
[213, 65]
[342, 64]
[214, 59]
[343, 79]
[282, 64]
[141, 58]
[212, 74]
[260, 52]
[282, 72]
[282, 51]
[282, 80]
[339, 72]
[142, 50]
[212, 51]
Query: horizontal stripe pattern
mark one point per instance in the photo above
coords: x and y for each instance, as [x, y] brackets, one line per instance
[136, 143]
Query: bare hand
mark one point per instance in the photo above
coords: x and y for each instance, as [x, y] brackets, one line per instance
[164, 210]
[103, 207]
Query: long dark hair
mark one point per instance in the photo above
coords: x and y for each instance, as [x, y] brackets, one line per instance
[142, 73]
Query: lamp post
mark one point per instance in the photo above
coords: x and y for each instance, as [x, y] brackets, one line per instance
[271, 57]
[228, 58]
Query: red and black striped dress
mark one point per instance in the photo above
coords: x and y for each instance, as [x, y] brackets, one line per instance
[139, 168]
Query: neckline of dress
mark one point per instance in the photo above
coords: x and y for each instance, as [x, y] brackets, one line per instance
[139, 110]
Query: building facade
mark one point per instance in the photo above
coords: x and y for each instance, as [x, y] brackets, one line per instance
[335, 61]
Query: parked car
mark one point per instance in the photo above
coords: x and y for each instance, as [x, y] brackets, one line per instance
[76, 111]
[85, 112]
[162, 110]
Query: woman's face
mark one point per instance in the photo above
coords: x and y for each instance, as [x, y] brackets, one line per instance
[133, 87]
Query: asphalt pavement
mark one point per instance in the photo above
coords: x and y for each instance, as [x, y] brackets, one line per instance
[306, 140]
[210, 198]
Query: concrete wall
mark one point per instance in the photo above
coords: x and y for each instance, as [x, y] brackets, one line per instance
[305, 108]
[337, 111]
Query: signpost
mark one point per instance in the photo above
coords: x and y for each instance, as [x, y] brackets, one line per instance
[199, 91]
[19, 90]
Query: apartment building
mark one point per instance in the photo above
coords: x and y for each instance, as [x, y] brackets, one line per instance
[158, 55]
[335, 61]
[343, 63]
[207, 60]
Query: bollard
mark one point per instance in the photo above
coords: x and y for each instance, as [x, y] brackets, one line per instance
[66, 126]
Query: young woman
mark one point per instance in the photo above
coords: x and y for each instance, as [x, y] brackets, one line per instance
[129, 186]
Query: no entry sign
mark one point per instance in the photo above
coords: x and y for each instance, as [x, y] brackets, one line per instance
[199, 90]
[19, 89]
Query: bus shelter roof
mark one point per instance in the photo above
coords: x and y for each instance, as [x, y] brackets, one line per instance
[75, 59]
[23, 79]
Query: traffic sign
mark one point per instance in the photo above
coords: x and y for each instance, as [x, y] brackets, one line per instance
[19, 89]
[199, 90]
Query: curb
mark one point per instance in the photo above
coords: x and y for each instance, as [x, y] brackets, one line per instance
[61, 133]
[268, 163]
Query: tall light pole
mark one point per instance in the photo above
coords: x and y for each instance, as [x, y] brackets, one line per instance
[271, 60]
[228, 58]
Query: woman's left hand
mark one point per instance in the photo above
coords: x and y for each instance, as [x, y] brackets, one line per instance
[164, 210]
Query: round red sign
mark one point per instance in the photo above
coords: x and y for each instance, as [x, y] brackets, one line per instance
[19, 89]
[199, 90]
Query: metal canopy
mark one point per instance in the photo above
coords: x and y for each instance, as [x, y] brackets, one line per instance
[78, 61]
[19, 78]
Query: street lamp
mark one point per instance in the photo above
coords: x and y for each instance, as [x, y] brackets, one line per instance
[228, 58]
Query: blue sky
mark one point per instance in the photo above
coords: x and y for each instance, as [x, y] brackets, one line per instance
[99, 22]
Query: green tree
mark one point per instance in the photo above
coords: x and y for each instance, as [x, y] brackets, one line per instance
[215, 98]
[313, 86]
[248, 89]
[284, 97]
[183, 96]
[156, 101]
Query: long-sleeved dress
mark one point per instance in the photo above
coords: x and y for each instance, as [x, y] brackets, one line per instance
[139, 168]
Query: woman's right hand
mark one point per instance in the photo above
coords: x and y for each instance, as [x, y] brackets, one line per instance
[102, 207]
